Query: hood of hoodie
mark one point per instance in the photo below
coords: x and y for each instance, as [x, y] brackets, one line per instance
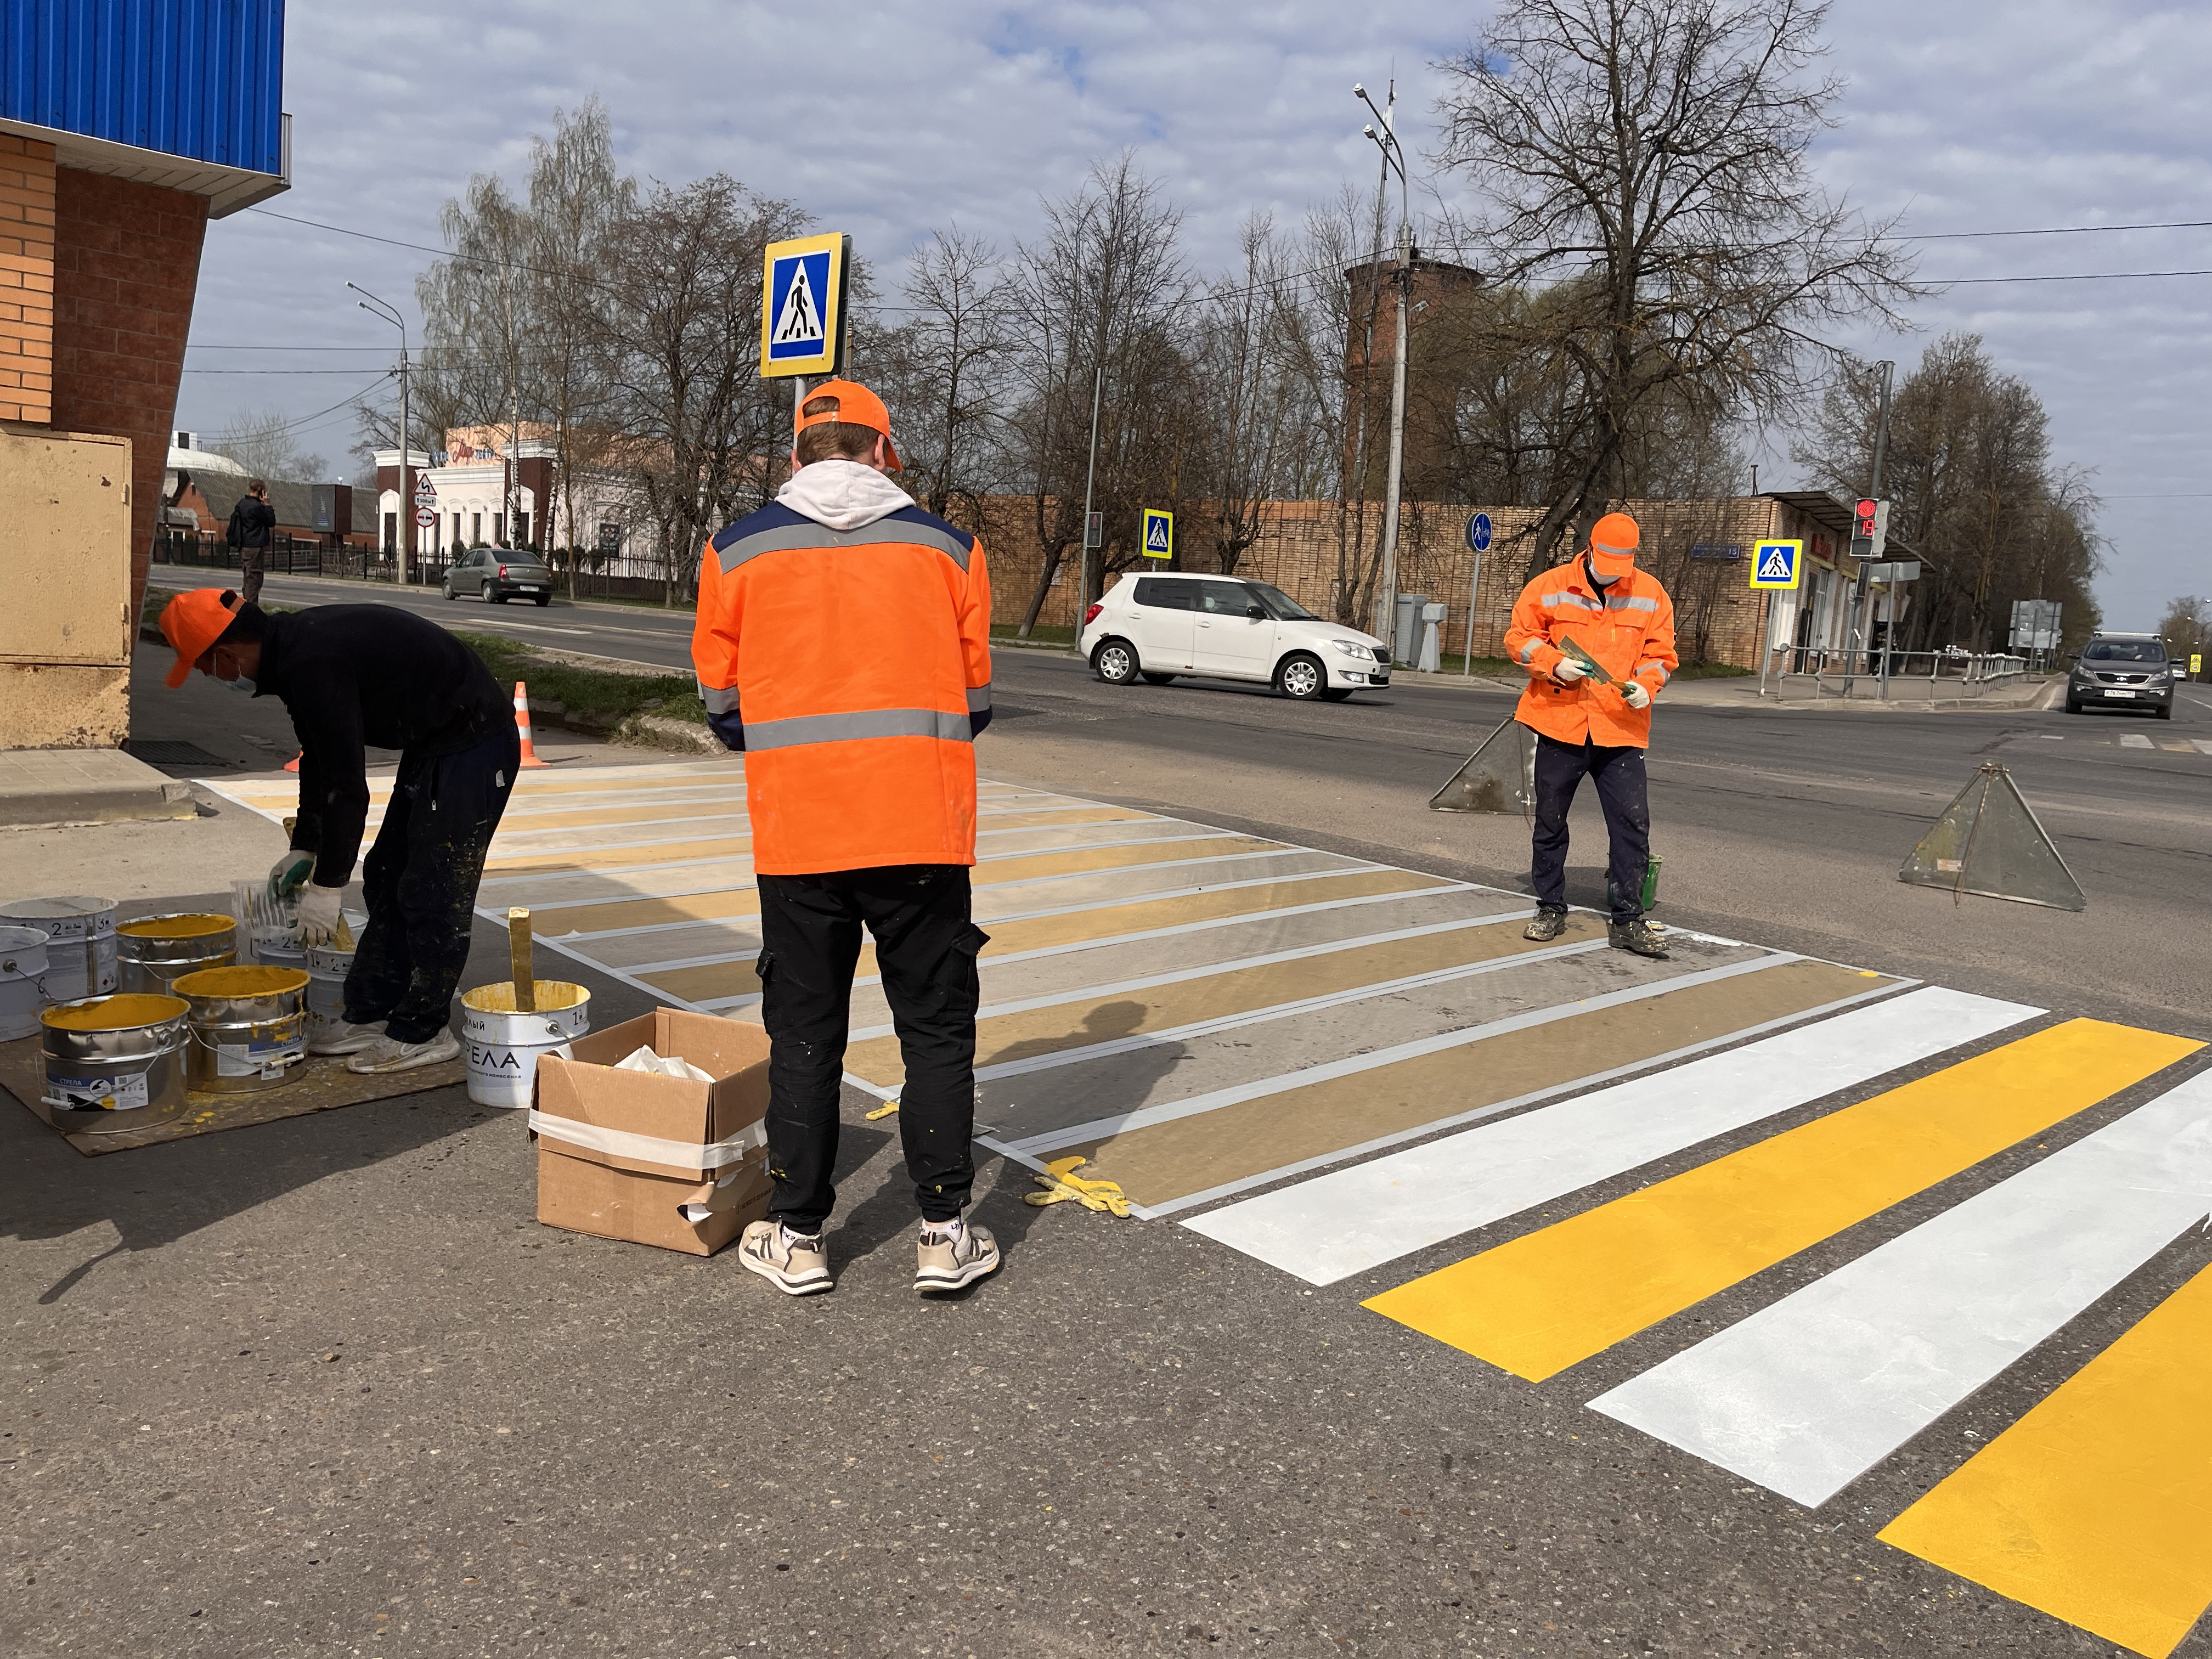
[842, 495]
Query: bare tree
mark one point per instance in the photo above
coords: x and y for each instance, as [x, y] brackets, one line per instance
[943, 371]
[261, 440]
[1650, 156]
[1244, 365]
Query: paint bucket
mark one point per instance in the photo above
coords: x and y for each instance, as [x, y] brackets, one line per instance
[114, 1064]
[327, 967]
[249, 1027]
[79, 943]
[504, 1045]
[22, 971]
[278, 951]
[154, 949]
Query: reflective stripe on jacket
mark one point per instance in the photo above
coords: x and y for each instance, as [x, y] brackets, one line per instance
[1629, 628]
[856, 661]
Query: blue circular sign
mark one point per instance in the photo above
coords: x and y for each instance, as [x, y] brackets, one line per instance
[1477, 532]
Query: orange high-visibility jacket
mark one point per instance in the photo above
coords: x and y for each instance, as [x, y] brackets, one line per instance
[853, 661]
[1628, 627]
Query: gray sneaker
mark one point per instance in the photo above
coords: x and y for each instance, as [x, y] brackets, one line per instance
[389, 1054]
[1545, 924]
[1638, 937]
[794, 1263]
[948, 1261]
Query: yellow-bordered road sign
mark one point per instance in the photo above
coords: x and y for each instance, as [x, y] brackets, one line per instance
[1159, 534]
[1777, 564]
[803, 305]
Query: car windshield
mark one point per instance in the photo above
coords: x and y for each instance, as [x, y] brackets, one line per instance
[1285, 608]
[2125, 650]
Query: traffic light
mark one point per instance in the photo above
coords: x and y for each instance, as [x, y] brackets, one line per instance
[1869, 529]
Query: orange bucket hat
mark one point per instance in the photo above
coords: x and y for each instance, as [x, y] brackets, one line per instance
[856, 406]
[193, 623]
[1613, 540]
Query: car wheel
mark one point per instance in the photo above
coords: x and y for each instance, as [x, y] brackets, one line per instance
[545, 599]
[2073, 705]
[1115, 662]
[2166, 713]
[486, 594]
[1336, 694]
[1302, 677]
[1152, 678]
[446, 588]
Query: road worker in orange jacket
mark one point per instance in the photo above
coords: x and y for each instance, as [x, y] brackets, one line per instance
[1594, 721]
[843, 642]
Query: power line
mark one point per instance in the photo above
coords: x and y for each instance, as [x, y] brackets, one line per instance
[2084, 276]
[2054, 230]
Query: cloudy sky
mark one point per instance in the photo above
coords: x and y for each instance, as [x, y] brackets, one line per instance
[887, 119]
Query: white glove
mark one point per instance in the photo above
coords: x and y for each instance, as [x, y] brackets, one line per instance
[318, 913]
[289, 874]
[1636, 694]
[1567, 671]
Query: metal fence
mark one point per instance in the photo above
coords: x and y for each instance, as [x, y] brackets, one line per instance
[1844, 673]
[297, 555]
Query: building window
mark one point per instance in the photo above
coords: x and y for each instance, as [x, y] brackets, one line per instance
[390, 531]
[476, 528]
[457, 530]
[522, 530]
[499, 529]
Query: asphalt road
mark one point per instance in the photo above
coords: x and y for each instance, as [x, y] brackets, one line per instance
[325, 1388]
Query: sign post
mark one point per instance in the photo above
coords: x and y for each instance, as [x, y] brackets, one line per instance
[803, 312]
[1159, 534]
[1478, 541]
[1869, 530]
[425, 504]
[1775, 566]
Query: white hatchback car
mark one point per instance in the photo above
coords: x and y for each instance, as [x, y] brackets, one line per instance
[1155, 628]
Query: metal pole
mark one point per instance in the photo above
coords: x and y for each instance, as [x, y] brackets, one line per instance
[1473, 598]
[1388, 606]
[1090, 478]
[406, 492]
[1873, 492]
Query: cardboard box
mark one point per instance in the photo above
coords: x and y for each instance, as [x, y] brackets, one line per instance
[618, 1193]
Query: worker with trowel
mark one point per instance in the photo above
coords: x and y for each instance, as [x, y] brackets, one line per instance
[1597, 637]
[351, 676]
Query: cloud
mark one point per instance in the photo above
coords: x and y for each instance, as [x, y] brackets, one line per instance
[888, 119]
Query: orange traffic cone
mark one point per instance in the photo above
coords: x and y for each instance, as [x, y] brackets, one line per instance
[522, 724]
[293, 764]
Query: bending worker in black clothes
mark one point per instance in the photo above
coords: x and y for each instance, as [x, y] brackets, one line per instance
[350, 676]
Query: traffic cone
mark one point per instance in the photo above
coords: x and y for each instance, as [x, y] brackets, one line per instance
[522, 724]
[293, 764]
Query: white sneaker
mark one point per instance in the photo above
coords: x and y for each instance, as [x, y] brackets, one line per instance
[388, 1054]
[794, 1263]
[946, 1260]
[339, 1037]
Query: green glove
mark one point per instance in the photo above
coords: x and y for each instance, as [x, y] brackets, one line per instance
[289, 874]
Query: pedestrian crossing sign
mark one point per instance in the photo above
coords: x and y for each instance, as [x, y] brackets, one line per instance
[1159, 534]
[1777, 564]
[803, 305]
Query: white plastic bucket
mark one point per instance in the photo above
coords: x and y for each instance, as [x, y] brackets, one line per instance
[80, 934]
[504, 1046]
[327, 967]
[22, 969]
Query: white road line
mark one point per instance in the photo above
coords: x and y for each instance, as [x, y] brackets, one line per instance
[1352, 1064]
[2136, 740]
[1805, 1397]
[1335, 1226]
[2201, 745]
[1269, 959]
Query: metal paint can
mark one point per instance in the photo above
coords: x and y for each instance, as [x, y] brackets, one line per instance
[327, 967]
[154, 949]
[115, 1063]
[504, 1045]
[22, 974]
[248, 1027]
[80, 934]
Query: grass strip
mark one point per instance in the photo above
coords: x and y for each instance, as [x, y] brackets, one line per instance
[600, 693]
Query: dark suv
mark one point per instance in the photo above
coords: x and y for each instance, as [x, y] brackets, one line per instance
[2122, 671]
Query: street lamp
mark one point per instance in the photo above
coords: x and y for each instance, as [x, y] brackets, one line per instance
[1394, 159]
[383, 308]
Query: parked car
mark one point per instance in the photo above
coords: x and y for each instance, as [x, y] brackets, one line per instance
[496, 574]
[2122, 671]
[1156, 628]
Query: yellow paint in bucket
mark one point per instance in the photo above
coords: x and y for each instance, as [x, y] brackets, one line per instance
[553, 995]
[258, 980]
[115, 1013]
[185, 927]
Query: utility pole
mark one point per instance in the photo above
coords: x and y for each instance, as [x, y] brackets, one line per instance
[384, 308]
[1873, 492]
[1090, 477]
[1394, 159]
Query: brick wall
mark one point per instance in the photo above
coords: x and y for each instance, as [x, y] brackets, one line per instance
[126, 264]
[27, 279]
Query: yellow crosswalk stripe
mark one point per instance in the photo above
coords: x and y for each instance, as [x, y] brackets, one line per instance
[670, 852]
[1554, 1297]
[2096, 1507]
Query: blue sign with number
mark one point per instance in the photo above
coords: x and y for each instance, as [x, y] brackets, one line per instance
[1477, 532]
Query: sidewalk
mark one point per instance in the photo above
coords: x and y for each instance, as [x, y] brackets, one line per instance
[1733, 691]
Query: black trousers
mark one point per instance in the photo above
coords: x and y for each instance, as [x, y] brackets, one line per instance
[420, 880]
[925, 948]
[1619, 775]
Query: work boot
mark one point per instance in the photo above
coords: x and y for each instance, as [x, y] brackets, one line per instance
[795, 1263]
[343, 1037]
[953, 1254]
[1636, 936]
[1547, 924]
[389, 1054]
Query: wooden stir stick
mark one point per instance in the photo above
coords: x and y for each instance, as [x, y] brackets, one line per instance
[518, 952]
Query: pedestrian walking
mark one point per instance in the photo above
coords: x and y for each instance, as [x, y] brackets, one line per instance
[843, 642]
[1597, 637]
[352, 675]
[251, 520]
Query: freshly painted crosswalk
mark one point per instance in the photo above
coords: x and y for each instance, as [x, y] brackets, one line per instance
[1334, 1066]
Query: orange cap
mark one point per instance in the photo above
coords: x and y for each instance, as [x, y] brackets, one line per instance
[193, 623]
[1612, 545]
[856, 406]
